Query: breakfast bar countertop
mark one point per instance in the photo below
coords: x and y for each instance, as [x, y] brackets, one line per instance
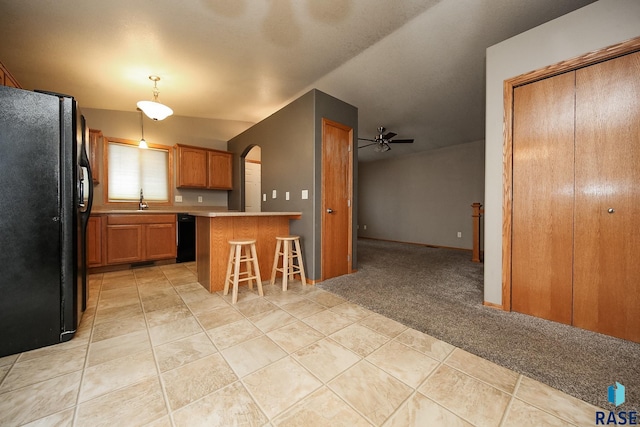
[213, 214]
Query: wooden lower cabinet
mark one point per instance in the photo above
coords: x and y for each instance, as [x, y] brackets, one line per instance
[160, 241]
[94, 241]
[124, 244]
[140, 237]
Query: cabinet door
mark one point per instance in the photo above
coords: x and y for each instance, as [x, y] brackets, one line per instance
[94, 241]
[219, 168]
[95, 141]
[124, 244]
[192, 167]
[160, 241]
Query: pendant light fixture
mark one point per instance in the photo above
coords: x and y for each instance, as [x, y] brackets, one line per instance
[143, 143]
[153, 109]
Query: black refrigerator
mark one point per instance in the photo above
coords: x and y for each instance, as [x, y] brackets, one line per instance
[46, 193]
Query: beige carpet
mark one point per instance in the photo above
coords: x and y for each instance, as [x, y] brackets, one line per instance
[440, 292]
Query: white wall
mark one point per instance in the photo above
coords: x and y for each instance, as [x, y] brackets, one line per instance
[424, 197]
[593, 27]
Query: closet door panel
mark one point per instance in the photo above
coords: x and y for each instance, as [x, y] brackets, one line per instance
[607, 244]
[543, 198]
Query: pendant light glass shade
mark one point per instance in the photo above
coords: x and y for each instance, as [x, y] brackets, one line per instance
[142, 143]
[153, 109]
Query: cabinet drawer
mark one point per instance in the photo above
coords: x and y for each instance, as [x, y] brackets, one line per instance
[141, 219]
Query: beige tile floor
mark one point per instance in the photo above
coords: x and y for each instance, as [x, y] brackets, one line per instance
[154, 348]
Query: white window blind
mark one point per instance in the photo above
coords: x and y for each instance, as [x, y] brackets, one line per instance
[132, 169]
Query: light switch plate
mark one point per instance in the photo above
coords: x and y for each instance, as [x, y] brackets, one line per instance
[286, 195]
[305, 194]
[264, 197]
[199, 199]
[274, 194]
[178, 199]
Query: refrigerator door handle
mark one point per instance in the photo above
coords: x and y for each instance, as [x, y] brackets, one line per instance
[81, 188]
[84, 164]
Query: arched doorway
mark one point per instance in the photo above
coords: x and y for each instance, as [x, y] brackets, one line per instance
[252, 179]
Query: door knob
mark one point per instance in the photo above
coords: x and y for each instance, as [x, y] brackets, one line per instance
[611, 210]
[329, 210]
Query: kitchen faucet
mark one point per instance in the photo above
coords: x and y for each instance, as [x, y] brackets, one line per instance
[142, 205]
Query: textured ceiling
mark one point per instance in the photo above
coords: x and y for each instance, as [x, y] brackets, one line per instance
[414, 66]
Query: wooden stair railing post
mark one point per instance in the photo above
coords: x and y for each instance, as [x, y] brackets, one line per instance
[477, 213]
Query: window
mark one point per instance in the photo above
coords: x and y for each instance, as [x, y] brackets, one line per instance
[130, 169]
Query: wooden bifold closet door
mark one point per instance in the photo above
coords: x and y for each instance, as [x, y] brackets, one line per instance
[576, 194]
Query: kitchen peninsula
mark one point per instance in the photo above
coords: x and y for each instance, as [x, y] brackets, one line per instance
[215, 229]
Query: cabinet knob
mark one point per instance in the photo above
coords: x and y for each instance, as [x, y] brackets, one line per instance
[611, 210]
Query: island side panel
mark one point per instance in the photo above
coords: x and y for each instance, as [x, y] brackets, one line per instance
[212, 244]
[203, 245]
[269, 228]
[221, 232]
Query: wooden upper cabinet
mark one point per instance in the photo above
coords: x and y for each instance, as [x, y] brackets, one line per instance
[204, 168]
[95, 141]
[6, 79]
[219, 170]
[192, 167]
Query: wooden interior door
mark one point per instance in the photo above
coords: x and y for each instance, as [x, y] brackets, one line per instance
[542, 227]
[337, 167]
[607, 243]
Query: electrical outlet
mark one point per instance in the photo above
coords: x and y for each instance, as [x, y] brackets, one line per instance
[199, 199]
[179, 199]
[365, 227]
[459, 234]
[286, 195]
[274, 194]
[264, 197]
[305, 194]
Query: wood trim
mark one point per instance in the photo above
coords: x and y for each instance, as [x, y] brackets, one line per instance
[492, 305]
[7, 79]
[582, 61]
[477, 213]
[417, 244]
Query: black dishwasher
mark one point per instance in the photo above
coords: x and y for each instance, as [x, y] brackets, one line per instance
[186, 238]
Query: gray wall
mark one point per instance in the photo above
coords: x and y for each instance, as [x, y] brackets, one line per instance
[290, 141]
[423, 198]
[173, 130]
[590, 28]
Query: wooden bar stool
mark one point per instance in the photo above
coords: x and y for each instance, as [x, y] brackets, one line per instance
[289, 252]
[236, 258]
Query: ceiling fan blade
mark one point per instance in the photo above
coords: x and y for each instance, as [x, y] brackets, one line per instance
[366, 145]
[389, 135]
[367, 139]
[402, 141]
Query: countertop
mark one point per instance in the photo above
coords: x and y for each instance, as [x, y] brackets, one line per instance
[214, 214]
[160, 210]
[210, 211]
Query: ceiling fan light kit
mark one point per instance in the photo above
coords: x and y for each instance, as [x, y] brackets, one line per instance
[154, 109]
[382, 141]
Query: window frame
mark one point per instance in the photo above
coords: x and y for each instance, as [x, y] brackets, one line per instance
[105, 161]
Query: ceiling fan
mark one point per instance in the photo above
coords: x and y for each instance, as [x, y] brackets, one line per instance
[383, 140]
